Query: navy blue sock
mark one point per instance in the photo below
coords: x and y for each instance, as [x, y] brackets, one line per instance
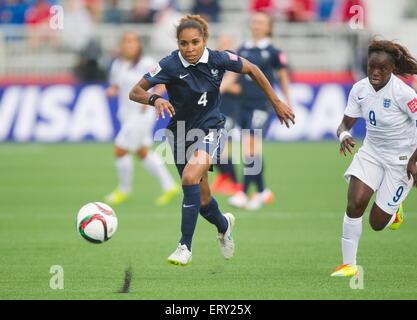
[212, 214]
[247, 179]
[259, 179]
[246, 183]
[190, 209]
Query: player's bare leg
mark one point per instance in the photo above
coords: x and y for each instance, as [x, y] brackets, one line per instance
[380, 220]
[359, 195]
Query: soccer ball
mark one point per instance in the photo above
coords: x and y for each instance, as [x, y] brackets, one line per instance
[96, 222]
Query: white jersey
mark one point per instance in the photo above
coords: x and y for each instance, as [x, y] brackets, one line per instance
[125, 75]
[390, 114]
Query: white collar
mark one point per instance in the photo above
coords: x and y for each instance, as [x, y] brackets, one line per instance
[204, 59]
[261, 44]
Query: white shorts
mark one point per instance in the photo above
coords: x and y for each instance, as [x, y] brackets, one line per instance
[390, 182]
[136, 132]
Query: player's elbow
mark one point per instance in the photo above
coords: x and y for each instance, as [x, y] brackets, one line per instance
[249, 68]
[253, 70]
[133, 94]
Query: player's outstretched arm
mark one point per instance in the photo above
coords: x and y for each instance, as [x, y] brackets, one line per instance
[284, 80]
[346, 140]
[412, 168]
[283, 111]
[140, 94]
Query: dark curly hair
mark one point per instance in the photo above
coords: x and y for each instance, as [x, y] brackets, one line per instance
[404, 63]
[194, 22]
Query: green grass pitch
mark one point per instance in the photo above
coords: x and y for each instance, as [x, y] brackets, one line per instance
[285, 251]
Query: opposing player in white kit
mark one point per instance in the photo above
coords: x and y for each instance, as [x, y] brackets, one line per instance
[386, 163]
[137, 123]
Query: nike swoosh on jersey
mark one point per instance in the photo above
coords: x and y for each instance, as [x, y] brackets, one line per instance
[359, 98]
[393, 205]
[188, 206]
[183, 76]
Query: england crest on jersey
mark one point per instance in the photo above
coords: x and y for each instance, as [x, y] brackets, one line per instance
[387, 103]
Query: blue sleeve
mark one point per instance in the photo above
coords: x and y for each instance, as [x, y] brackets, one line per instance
[279, 59]
[230, 61]
[160, 74]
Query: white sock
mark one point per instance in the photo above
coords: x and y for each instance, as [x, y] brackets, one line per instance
[352, 230]
[391, 221]
[124, 167]
[155, 165]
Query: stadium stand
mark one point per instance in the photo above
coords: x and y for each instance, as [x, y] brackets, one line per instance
[317, 46]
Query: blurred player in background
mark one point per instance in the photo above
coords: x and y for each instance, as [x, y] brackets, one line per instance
[137, 123]
[386, 163]
[254, 112]
[226, 182]
[192, 76]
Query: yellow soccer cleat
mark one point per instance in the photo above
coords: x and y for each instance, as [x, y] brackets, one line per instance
[117, 197]
[345, 270]
[399, 218]
[167, 196]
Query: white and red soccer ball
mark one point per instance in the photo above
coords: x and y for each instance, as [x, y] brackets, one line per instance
[96, 222]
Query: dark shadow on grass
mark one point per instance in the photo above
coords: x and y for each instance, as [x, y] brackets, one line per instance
[127, 280]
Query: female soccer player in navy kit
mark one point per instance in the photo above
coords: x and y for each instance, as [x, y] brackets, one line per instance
[254, 111]
[192, 76]
[386, 163]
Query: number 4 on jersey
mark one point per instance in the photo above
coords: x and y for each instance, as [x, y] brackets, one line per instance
[203, 99]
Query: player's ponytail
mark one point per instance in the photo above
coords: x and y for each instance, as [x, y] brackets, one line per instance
[405, 64]
[194, 22]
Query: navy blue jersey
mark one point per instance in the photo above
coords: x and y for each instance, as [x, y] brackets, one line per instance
[193, 90]
[269, 59]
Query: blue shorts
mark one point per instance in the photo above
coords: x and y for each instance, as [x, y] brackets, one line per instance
[212, 143]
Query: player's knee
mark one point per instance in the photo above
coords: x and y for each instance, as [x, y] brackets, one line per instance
[376, 225]
[356, 207]
[142, 153]
[189, 179]
[119, 152]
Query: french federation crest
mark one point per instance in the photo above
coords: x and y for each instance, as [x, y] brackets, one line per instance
[387, 103]
[215, 73]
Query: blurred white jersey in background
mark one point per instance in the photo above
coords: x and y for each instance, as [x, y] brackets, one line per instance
[125, 75]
